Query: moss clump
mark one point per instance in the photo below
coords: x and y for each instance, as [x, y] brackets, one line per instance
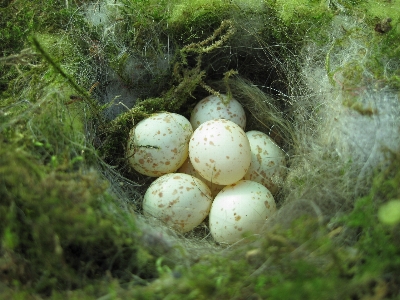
[18, 21]
[375, 62]
[61, 230]
[311, 259]
[193, 21]
[377, 270]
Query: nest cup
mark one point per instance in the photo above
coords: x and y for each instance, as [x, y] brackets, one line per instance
[172, 72]
[285, 91]
[263, 114]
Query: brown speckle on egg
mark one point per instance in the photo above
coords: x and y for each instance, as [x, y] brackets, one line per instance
[228, 128]
[166, 219]
[173, 202]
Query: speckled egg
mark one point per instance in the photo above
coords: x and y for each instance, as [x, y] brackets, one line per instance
[220, 151]
[240, 210]
[159, 144]
[214, 107]
[267, 161]
[187, 168]
[179, 200]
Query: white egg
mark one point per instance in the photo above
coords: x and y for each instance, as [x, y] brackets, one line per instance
[213, 107]
[267, 161]
[240, 209]
[159, 144]
[179, 200]
[220, 151]
[187, 168]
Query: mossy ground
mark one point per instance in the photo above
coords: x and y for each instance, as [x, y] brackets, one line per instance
[63, 232]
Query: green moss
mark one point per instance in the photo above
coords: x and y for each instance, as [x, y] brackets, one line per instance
[382, 9]
[18, 21]
[271, 270]
[378, 244]
[291, 10]
[374, 62]
[305, 262]
[60, 229]
[302, 20]
[193, 21]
